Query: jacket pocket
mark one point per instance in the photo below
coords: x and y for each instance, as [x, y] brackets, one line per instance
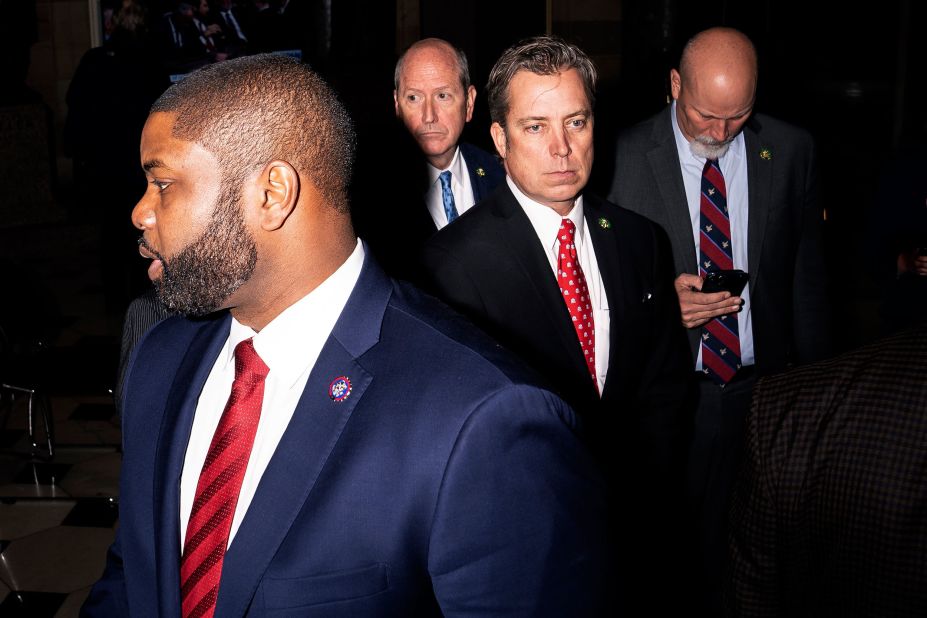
[325, 587]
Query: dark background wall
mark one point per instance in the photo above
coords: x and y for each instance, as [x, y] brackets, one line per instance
[854, 78]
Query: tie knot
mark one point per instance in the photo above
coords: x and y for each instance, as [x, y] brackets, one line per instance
[248, 365]
[567, 231]
[445, 178]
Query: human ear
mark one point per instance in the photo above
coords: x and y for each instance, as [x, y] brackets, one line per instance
[280, 189]
[498, 138]
[471, 99]
[675, 83]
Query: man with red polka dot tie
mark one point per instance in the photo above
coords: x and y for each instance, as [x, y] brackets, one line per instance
[581, 290]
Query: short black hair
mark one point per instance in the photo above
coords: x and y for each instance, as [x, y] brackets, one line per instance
[541, 55]
[254, 109]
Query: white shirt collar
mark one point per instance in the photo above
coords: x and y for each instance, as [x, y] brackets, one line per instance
[546, 221]
[282, 344]
[455, 167]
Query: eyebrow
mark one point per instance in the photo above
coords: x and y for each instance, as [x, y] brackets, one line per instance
[528, 119]
[153, 163]
[448, 86]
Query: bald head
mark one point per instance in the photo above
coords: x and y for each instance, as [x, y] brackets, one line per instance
[714, 88]
[720, 58]
[434, 48]
[433, 97]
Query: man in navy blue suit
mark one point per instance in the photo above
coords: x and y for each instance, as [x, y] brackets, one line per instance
[401, 464]
[437, 176]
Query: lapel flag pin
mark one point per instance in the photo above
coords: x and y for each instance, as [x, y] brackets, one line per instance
[339, 389]
[766, 154]
[480, 171]
[604, 223]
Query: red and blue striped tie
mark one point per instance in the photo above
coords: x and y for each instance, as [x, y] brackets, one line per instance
[720, 338]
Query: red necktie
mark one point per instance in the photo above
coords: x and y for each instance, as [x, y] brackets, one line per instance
[576, 295]
[218, 486]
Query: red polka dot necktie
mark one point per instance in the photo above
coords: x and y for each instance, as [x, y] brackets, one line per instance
[576, 294]
[218, 486]
[720, 339]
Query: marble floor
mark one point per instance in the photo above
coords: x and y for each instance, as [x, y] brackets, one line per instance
[58, 514]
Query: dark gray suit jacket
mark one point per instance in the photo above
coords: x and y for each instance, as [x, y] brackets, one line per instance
[787, 275]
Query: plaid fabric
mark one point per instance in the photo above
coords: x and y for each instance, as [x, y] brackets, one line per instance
[829, 517]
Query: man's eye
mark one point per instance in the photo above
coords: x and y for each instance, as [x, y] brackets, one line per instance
[160, 184]
[577, 123]
[533, 128]
[443, 96]
[411, 98]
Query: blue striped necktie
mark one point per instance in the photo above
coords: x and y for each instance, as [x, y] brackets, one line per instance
[720, 338]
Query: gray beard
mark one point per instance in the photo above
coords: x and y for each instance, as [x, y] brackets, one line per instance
[707, 148]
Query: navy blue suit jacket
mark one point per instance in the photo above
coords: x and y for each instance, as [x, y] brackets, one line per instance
[396, 226]
[485, 171]
[446, 483]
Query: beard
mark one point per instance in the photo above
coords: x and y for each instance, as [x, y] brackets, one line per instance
[201, 277]
[707, 148]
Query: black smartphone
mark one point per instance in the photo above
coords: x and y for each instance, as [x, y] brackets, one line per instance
[732, 281]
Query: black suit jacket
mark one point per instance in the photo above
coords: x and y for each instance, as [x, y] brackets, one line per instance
[785, 220]
[829, 516]
[491, 266]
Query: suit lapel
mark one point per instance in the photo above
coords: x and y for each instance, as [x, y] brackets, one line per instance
[477, 174]
[172, 447]
[523, 246]
[304, 449]
[759, 178]
[664, 161]
[615, 268]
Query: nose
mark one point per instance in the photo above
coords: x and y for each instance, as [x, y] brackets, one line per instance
[143, 216]
[560, 143]
[719, 130]
[428, 111]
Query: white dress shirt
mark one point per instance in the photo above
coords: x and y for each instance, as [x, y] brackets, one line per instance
[460, 186]
[546, 223]
[734, 169]
[289, 345]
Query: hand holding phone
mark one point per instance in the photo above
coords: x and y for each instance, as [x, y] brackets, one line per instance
[697, 305]
[733, 281]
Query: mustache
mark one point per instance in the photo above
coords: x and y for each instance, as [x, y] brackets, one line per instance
[144, 243]
[710, 141]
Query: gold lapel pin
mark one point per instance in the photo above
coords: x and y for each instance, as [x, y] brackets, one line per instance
[604, 223]
[480, 171]
[766, 154]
